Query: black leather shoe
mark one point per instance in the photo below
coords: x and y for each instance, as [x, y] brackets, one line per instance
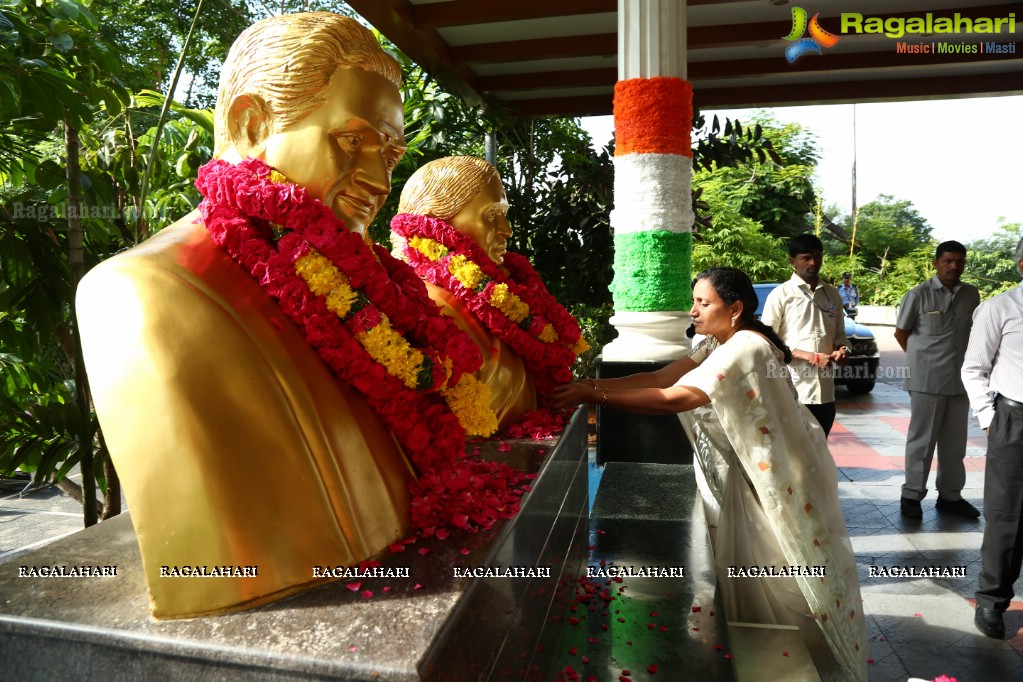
[957, 507]
[911, 508]
[989, 622]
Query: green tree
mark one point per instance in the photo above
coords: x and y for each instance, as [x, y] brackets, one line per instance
[737, 241]
[990, 263]
[775, 189]
[887, 229]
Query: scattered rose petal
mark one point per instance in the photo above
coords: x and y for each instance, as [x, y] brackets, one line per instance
[572, 651]
[442, 533]
[591, 640]
[601, 532]
[719, 647]
[603, 626]
[697, 609]
[728, 656]
[621, 620]
[664, 628]
[650, 626]
[627, 673]
[503, 447]
[784, 653]
[367, 594]
[652, 668]
[417, 586]
[397, 547]
[585, 659]
[870, 660]
[573, 621]
[918, 615]
[423, 551]
[354, 587]
[386, 589]
[353, 648]
[653, 614]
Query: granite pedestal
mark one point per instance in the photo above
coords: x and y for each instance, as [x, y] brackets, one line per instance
[647, 523]
[630, 437]
[433, 625]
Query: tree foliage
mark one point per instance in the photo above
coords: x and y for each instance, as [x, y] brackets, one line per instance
[774, 189]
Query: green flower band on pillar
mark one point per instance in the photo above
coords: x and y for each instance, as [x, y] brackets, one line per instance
[653, 271]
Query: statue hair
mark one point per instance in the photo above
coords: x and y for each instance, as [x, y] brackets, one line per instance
[443, 187]
[731, 285]
[287, 61]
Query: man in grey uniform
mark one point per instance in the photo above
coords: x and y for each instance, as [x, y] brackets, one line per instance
[933, 327]
[993, 377]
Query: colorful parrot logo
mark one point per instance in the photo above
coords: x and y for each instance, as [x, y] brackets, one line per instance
[818, 36]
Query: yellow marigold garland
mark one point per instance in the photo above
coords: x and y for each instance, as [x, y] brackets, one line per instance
[464, 398]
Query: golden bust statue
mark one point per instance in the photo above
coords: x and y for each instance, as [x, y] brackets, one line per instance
[235, 443]
[467, 193]
[452, 227]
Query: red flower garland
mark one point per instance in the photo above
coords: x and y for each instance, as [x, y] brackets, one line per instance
[549, 363]
[241, 207]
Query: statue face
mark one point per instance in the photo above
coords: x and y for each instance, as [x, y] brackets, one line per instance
[344, 151]
[485, 220]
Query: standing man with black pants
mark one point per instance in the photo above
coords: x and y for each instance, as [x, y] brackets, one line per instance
[993, 376]
[807, 314]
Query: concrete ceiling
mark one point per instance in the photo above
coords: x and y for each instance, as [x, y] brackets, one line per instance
[559, 57]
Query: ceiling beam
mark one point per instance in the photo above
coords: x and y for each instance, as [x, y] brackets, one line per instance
[425, 47]
[698, 37]
[899, 89]
[475, 12]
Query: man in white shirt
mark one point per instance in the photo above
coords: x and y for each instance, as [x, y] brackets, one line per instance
[993, 377]
[807, 315]
[933, 327]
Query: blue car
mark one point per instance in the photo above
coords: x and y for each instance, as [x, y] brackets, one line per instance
[859, 374]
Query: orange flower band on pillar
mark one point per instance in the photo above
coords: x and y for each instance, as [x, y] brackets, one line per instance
[653, 116]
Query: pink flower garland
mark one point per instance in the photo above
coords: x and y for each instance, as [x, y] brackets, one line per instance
[549, 363]
[241, 208]
[241, 203]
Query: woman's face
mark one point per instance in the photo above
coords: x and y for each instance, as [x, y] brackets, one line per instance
[711, 316]
[485, 220]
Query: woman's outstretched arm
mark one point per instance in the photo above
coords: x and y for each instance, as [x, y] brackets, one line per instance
[669, 400]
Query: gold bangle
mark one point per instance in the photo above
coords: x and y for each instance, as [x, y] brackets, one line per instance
[593, 384]
[603, 397]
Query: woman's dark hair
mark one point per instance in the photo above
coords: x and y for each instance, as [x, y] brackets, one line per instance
[732, 285]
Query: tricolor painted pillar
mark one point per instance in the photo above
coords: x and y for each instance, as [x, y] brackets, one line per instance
[652, 218]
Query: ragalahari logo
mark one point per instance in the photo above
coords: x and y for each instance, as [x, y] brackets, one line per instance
[801, 46]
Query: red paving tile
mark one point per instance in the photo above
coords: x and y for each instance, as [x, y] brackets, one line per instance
[849, 451]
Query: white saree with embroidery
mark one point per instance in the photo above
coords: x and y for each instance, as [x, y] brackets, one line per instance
[770, 488]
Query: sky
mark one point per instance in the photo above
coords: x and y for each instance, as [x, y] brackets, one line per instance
[960, 162]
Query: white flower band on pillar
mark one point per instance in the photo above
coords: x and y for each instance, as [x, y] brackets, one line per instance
[652, 192]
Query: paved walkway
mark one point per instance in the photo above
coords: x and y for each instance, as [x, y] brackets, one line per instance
[918, 627]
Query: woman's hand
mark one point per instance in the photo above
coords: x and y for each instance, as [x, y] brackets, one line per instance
[570, 395]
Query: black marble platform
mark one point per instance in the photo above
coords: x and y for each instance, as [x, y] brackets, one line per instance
[649, 516]
[431, 626]
[629, 437]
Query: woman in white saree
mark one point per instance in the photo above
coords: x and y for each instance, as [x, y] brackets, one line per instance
[765, 465]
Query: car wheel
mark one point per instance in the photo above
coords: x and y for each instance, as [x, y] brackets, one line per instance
[860, 386]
